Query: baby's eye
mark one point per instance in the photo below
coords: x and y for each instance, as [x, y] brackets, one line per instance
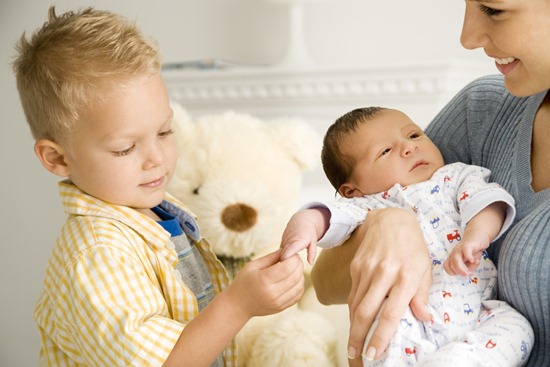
[162, 134]
[124, 152]
[415, 136]
[385, 151]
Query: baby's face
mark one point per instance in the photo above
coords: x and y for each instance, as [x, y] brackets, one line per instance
[388, 149]
[122, 150]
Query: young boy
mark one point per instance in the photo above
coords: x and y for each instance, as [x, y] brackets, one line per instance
[130, 280]
[378, 158]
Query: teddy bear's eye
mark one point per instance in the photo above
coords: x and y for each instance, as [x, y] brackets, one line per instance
[196, 191]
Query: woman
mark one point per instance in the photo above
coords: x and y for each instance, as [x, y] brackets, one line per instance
[499, 122]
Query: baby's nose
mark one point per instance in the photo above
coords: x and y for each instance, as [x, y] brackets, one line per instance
[408, 149]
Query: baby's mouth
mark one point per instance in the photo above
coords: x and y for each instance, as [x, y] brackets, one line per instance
[418, 164]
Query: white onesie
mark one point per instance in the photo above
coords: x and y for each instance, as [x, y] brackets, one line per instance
[470, 327]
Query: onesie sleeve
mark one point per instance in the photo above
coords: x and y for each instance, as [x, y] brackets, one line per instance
[344, 218]
[475, 193]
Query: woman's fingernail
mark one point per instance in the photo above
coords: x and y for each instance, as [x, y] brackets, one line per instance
[352, 353]
[369, 355]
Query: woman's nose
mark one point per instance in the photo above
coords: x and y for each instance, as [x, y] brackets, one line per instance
[473, 32]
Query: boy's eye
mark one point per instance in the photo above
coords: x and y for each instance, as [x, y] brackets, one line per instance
[490, 11]
[414, 136]
[166, 133]
[124, 152]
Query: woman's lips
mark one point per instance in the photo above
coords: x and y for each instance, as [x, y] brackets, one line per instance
[505, 65]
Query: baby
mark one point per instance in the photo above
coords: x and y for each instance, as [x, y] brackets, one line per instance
[378, 158]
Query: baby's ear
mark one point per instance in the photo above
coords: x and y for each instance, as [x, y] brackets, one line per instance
[52, 157]
[348, 190]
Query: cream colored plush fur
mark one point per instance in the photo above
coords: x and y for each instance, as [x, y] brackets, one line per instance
[242, 177]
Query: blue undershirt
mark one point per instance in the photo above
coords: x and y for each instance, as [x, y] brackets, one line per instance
[169, 222]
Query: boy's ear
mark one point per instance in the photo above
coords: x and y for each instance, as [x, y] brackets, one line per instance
[52, 157]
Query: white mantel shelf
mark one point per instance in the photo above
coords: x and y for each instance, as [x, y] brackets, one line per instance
[259, 89]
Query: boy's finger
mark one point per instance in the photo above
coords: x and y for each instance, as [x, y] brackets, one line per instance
[267, 260]
[291, 249]
[283, 269]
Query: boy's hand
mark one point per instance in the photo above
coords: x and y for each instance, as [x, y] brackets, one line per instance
[266, 286]
[302, 231]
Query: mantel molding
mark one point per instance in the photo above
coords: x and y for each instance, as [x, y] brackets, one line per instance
[241, 87]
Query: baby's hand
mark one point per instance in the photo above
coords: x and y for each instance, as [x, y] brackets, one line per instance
[478, 234]
[266, 286]
[300, 233]
[466, 256]
[462, 261]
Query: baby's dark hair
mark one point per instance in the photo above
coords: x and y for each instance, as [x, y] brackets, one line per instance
[337, 166]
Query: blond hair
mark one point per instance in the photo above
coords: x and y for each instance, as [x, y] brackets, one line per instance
[60, 68]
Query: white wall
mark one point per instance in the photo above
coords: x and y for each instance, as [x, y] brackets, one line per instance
[339, 32]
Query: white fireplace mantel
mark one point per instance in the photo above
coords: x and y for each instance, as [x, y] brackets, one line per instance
[320, 92]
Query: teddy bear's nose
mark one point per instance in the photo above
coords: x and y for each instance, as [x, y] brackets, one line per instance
[239, 217]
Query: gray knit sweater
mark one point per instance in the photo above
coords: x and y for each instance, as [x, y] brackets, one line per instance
[486, 126]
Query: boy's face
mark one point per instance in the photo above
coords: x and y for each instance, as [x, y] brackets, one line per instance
[123, 151]
[388, 149]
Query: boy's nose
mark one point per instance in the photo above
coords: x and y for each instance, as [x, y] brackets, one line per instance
[154, 156]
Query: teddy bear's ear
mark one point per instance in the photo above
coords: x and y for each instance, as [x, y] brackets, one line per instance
[182, 124]
[299, 140]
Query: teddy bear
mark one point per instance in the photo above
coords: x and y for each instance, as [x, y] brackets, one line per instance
[242, 178]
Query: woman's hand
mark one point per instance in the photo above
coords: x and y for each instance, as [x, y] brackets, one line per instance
[390, 270]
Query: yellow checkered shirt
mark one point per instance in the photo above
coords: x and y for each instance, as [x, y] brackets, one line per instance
[111, 297]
